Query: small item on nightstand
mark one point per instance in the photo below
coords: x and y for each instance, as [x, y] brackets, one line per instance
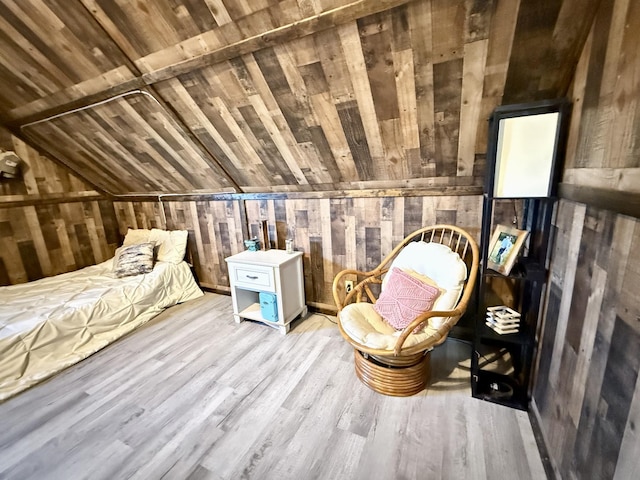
[266, 244]
[252, 244]
[289, 244]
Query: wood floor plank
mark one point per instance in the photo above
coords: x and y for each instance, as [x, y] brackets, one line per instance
[194, 395]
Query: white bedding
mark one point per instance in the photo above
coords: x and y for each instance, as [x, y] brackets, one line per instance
[52, 323]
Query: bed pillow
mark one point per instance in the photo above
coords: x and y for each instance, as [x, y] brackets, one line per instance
[404, 298]
[135, 236]
[172, 244]
[133, 260]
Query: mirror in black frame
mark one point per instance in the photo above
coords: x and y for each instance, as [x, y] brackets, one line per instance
[526, 145]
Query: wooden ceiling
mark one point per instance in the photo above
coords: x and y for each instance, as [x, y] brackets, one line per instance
[190, 96]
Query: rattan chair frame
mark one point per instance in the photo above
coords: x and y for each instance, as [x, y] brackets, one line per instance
[377, 362]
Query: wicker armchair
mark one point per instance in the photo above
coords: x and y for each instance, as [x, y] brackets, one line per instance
[398, 362]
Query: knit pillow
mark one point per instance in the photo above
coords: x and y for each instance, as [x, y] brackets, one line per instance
[133, 260]
[404, 298]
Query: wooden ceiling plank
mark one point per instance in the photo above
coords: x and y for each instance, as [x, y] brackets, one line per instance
[77, 103]
[328, 120]
[191, 146]
[355, 60]
[96, 147]
[407, 102]
[569, 35]
[169, 156]
[30, 141]
[501, 34]
[448, 29]
[447, 86]
[112, 130]
[278, 138]
[475, 56]
[393, 165]
[624, 142]
[270, 156]
[421, 32]
[290, 109]
[51, 105]
[195, 120]
[219, 11]
[307, 26]
[281, 136]
[88, 172]
[30, 54]
[65, 35]
[532, 51]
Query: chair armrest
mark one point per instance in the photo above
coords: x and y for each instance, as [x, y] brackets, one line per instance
[455, 313]
[342, 300]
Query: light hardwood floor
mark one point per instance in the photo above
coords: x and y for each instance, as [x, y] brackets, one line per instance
[194, 395]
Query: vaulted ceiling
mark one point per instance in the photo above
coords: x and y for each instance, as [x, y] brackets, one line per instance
[188, 96]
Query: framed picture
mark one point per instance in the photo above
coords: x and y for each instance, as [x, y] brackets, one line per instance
[504, 248]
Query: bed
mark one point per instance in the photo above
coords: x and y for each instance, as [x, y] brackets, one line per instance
[49, 324]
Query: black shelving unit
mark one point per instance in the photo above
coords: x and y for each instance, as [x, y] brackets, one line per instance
[501, 365]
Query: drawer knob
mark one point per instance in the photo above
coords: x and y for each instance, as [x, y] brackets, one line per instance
[252, 277]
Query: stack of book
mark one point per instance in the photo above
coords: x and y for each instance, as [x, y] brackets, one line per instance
[503, 319]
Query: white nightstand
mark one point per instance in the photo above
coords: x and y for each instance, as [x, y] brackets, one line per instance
[270, 271]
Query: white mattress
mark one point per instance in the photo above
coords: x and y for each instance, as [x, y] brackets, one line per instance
[52, 323]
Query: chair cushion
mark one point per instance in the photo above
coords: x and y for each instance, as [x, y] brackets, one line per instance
[440, 264]
[363, 324]
[404, 298]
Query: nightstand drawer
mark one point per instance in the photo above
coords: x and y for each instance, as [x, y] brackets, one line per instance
[254, 277]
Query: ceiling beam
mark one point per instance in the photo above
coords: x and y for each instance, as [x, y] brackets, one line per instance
[307, 26]
[295, 30]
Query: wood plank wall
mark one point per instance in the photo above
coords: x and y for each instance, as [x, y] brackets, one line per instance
[604, 145]
[39, 178]
[587, 389]
[50, 221]
[333, 233]
[46, 239]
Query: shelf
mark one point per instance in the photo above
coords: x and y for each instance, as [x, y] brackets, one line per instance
[508, 360]
[511, 199]
[523, 337]
[509, 393]
[525, 269]
[252, 312]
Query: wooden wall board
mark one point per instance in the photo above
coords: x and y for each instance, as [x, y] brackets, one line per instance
[216, 231]
[333, 234]
[353, 233]
[44, 240]
[590, 333]
[603, 140]
[586, 419]
[39, 178]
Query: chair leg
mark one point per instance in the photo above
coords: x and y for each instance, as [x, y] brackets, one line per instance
[397, 381]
